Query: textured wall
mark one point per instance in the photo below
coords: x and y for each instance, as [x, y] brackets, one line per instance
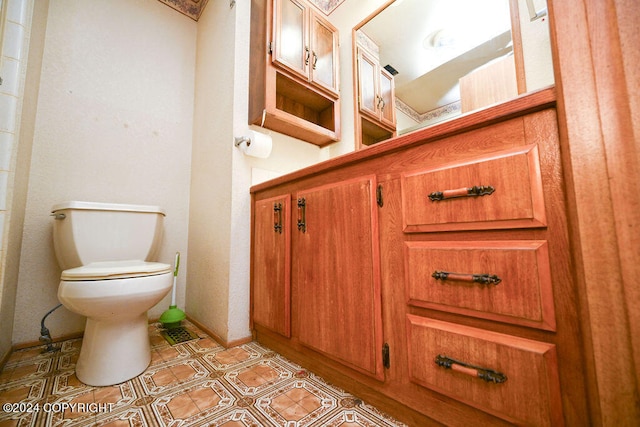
[113, 124]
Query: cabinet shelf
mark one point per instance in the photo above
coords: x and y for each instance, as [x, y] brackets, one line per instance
[373, 133]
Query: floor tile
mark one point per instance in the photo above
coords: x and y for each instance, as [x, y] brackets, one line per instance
[197, 383]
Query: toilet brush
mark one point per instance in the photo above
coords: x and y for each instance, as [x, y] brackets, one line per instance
[173, 316]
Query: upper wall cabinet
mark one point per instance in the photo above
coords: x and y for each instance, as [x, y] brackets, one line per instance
[294, 71]
[376, 99]
[305, 44]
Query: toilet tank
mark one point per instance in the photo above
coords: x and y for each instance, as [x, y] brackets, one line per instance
[85, 232]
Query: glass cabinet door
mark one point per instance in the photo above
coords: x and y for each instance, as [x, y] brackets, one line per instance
[386, 100]
[324, 50]
[367, 83]
[291, 47]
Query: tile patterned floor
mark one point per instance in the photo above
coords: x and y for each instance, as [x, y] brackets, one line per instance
[197, 383]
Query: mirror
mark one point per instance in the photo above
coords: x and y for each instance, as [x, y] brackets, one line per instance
[449, 57]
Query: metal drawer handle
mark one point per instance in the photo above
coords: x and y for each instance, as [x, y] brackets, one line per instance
[302, 215]
[484, 279]
[489, 375]
[475, 191]
[277, 217]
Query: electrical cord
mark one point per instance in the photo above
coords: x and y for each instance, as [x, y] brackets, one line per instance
[45, 335]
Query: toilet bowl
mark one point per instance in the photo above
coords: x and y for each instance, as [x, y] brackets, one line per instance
[107, 253]
[115, 297]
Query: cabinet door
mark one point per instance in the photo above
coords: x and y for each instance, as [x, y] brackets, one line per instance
[336, 280]
[324, 54]
[367, 78]
[270, 298]
[291, 46]
[387, 99]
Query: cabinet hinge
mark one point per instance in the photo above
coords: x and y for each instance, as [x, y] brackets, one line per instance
[379, 199]
[270, 48]
[385, 356]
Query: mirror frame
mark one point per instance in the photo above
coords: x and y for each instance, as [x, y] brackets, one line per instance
[518, 55]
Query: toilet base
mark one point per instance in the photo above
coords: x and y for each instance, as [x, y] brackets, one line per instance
[113, 351]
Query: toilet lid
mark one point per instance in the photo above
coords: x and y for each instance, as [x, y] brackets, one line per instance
[116, 270]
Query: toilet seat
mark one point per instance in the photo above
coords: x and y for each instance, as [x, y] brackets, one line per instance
[106, 270]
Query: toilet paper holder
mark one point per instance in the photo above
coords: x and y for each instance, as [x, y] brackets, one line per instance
[254, 144]
[242, 139]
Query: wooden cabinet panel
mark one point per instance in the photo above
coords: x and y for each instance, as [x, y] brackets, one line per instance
[271, 273]
[336, 280]
[441, 198]
[367, 78]
[291, 47]
[529, 392]
[387, 99]
[508, 281]
[324, 54]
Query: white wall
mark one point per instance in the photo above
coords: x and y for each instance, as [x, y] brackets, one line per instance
[220, 217]
[114, 124]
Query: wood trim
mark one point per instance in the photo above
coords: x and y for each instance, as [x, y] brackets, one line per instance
[518, 55]
[596, 102]
[217, 338]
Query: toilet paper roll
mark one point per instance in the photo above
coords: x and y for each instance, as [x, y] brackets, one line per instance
[259, 145]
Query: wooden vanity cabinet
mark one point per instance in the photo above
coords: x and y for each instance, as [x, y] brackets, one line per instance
[334, 286]
[293, 83]
[465, 297]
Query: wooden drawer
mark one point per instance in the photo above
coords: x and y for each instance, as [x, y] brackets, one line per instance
[507, 281]
[521, 383]
[442, 198]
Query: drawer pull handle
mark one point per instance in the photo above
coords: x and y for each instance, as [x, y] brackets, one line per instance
[483, 279]
[277, 217]
[302, 215]
[489, 375]
[475, 191]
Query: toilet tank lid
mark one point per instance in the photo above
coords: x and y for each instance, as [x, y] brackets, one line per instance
[98, 206]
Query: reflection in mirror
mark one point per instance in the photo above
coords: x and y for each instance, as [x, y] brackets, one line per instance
[449, 57]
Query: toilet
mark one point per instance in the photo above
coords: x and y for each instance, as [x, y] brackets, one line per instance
[107, 253]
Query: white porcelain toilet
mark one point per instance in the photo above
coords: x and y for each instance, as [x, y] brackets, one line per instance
[106, 252]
